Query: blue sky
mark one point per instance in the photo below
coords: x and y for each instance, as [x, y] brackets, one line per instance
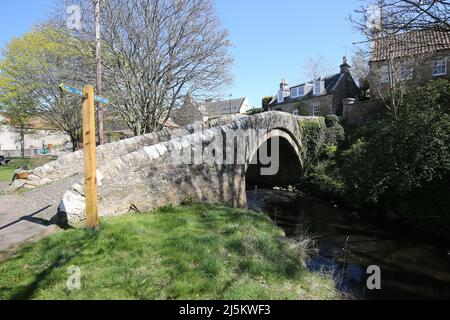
[272, 39]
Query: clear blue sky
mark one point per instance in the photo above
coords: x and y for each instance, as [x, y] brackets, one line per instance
[272, 38]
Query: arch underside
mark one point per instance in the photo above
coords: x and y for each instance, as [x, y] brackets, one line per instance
[286, 152]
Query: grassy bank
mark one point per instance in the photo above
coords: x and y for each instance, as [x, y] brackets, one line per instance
[190, 252]
[6, 172]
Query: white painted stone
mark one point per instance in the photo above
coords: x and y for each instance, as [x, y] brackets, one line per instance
[152, 152]
[73, 205]
[162, 149]
[33, 177]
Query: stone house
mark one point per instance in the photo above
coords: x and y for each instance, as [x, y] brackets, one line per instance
[417, 56]
[322, 96]
[192, 111]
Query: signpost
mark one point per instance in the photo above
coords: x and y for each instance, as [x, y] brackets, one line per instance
[89, 145]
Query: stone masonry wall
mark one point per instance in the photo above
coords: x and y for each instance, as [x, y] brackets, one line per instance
[148, 178]
[72, 164]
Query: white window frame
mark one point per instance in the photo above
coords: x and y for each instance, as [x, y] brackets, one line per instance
[320, 84]
[384, 73]
[280, 97]
[315, 112]
[445, 67]
[406, 71]
[294, 92]
[303, 90]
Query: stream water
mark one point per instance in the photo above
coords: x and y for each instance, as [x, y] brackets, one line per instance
[410, 269]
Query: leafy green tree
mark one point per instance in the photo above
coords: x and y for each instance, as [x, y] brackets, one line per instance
[265, 102]
[31, 69]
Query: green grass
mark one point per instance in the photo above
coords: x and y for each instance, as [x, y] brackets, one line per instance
[6, 172]
[189, 252]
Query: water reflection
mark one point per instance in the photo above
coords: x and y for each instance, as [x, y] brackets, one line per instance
[410, 269]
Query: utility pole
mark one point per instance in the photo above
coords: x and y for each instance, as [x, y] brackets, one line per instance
[98, 80]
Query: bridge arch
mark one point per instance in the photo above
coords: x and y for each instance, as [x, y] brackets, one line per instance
[284, 150]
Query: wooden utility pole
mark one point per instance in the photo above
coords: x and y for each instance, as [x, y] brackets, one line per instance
[98, 68]
[90, 165]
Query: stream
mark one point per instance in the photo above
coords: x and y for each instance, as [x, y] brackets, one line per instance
[410, 269]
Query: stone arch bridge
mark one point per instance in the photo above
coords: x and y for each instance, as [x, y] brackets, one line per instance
[142, 173]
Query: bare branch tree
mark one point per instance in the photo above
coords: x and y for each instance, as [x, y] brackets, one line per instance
[396, 16]
[155, 53]
[315, 67]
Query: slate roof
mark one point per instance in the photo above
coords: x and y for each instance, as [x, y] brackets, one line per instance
[330, 84]
[221, 108]
[410, 43]
[187, 114]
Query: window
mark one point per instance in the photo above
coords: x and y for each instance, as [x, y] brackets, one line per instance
[406, 72]
[384, 74]
[295, 112]
[318, 87]
[440, 67]
[280, 96]
[294, 92]
[315, 110]
[301, 91]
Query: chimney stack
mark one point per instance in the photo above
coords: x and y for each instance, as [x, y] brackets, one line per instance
[345, 67]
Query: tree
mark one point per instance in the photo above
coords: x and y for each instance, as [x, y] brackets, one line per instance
[154, 54]
[360, 65]
[393, 27]
[265, 102]
[403, 15]
[34, 66]
[316, 67]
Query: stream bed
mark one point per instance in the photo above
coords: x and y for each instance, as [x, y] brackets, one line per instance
[347, 245]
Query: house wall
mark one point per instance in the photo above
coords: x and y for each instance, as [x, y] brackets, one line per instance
[304, 107]
[363, 112]
[345, 89]
[423, 72]
[10, 140]
[245, 106]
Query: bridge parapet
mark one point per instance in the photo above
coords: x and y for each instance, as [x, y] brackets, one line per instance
[72, 164]
[149, 177]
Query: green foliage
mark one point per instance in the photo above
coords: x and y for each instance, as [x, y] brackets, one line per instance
[196, 252]
[331, 120]
[313, 135]
[324, 180]
[31, 68]
[254, 111]
[399, 155]
[265, 102]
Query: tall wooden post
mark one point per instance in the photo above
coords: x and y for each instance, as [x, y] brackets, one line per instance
[98, 71]
[90, 165]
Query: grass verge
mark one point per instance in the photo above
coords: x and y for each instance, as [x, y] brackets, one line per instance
[6, 172]
[189, 252]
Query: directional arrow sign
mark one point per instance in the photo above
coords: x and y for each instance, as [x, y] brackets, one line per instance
[79, 93]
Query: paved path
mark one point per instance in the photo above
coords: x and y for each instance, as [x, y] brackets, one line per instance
[28, 216]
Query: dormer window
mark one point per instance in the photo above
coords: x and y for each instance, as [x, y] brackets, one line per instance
[280, 96]
[301, 91]
[298, 92]
[318, 87]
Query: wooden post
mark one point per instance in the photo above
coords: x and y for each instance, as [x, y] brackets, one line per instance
[90, 165]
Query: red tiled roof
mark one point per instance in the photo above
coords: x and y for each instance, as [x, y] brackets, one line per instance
[410, 44]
